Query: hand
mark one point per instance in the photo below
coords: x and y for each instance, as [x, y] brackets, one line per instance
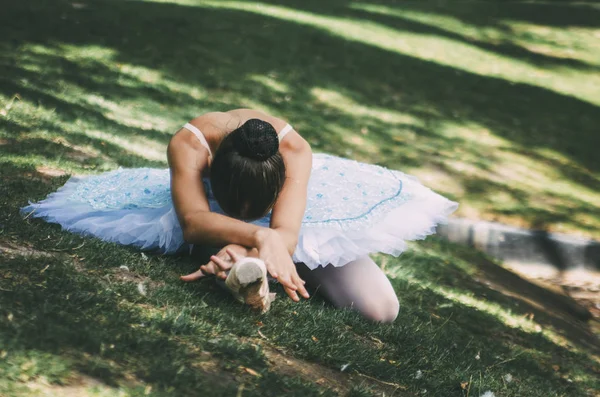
[220, 263]
[273, 251]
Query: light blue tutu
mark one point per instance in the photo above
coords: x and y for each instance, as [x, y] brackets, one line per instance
[353, 209]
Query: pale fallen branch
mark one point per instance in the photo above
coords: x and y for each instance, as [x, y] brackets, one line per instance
[397, 386]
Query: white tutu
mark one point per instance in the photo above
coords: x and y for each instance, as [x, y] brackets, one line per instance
[353, 209]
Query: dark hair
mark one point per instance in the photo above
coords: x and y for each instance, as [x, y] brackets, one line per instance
[247, 172]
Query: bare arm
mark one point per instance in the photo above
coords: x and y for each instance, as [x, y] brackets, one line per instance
[288, 211]
[198, 223]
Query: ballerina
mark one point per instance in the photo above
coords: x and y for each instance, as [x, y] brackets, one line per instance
[247, 184]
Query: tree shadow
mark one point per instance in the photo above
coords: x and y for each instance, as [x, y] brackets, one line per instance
[61, 297]
[504, 47]
[488, 281]
[558, 13]
[69, 306]
[224, 57]
[528, 350]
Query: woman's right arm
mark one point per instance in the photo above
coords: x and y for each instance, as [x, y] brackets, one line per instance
[198, 223]
[201, 226]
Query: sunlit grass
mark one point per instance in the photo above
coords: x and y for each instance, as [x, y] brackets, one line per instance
[271, 84]
[94, 94]
[519, 178]
[142, 147]
[482, 109]
[563, 42]
[445, 51]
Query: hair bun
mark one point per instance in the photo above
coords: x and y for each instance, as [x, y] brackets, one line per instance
[256, 139]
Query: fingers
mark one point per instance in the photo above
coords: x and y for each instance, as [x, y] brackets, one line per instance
[286, 282]
[221, 275]
[301, 289]
[234, 256]
[221, 263]
[293, 286]
[197, 275]
[291, 293]
[216, 266]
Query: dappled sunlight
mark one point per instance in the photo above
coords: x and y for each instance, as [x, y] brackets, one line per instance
[478, 110]
[83, 53]
[554, 42]
[442, 50]
[356, 79]
[508, 318]
[145, 148]
[442, 180]
[488, 33]
[491, 176]
[79, 386]
[146, 75]
[560, 42]
[270, 83]
[79, 71]
[347, 105]
[471, 281]
[519, 169]
[129, 115]
[357, 146]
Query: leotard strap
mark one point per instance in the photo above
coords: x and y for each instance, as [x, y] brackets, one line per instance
[194, 130]
[284, 131]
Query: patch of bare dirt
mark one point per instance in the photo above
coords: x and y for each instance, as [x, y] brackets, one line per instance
[80, 386]
[338, 381]
[79, 153]
[546, 300]
[50, 172]
[11, 249]
[582, 285]
[42, 174]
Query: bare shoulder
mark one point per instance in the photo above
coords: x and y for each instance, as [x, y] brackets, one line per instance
[183, 155]
[185, 150]
[294, 143]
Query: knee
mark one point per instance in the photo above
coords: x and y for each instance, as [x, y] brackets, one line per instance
[383, 310]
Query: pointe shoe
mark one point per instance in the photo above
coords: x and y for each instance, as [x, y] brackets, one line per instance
[248, 282]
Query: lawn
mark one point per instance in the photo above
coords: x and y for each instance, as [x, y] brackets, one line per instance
[494, 104]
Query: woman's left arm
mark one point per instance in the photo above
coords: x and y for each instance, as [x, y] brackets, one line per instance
[288, 211]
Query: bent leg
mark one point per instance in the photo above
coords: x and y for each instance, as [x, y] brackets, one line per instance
[360, 285]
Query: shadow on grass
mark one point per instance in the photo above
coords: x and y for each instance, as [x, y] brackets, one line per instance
[489, 281]
[223, 56]
[79, 69]
[65, 311]
[558, 13]
[482, 13]
[69, 306]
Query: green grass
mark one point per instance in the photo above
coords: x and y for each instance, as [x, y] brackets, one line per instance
[493, 104]
[67, 311]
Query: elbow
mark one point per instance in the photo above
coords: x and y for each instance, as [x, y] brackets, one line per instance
[193, 226]
[187, 229]
[187, 238]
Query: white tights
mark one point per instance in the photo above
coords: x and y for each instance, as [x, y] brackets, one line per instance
[359, 285]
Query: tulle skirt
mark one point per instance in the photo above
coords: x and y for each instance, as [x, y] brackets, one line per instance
[353, 209]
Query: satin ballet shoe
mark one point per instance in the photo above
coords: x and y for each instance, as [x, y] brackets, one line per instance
[247, 280]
